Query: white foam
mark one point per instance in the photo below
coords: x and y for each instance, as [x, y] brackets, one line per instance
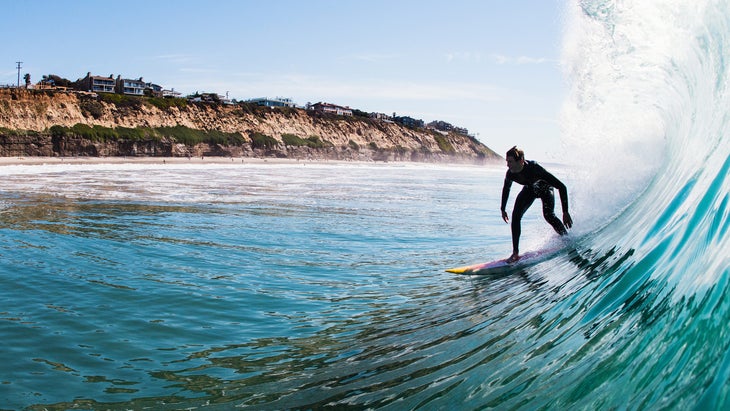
[622, 62]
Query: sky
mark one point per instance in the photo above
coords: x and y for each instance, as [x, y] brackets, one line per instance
[491, 66]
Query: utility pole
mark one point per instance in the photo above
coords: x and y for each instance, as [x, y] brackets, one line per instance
[19, 67]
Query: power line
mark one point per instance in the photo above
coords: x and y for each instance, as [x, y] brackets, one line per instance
[19, 67]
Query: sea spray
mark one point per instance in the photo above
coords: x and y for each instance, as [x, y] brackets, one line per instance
[622, 61]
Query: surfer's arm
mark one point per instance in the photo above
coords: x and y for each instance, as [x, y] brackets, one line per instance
[553, 181]
[563, 190]
[505, 197]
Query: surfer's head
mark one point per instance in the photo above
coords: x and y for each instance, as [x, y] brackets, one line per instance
[515, 159]
[516, 153]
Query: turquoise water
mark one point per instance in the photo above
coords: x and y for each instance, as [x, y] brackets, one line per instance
[145, 285]
[308, 286]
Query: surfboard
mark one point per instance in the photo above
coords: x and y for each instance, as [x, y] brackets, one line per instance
[502, 266]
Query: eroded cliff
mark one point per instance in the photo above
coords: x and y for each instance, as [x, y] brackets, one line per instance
[28, 117]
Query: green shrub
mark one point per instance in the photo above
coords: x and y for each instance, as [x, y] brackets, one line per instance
[311, 141]
[353, 145]
[252, 108]
[58, 131]
[316, 142]
[222, 138]
[292, 140]
[83, 130]
[102, 133]
[95, 133]
[182, 134]
[121, 100]
[191, 137]
[444, 144]
[136, 134]
[259, 140]
[164, 103]
[8, 132]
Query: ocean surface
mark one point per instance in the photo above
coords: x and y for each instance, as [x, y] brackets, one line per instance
[318, 286]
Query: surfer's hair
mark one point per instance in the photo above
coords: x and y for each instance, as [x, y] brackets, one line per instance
[516, 153]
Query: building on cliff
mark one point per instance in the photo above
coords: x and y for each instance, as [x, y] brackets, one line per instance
[130, 87]
[446, 127]
[382, 117]
[272, 102]
[154, 90]
[331, 109]
[408, 121]
[97, 84]
[171, 93]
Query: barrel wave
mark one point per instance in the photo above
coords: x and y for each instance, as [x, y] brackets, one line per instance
[651, 97]
[322, 286]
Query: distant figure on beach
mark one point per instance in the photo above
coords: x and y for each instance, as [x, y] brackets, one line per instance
[538, 183]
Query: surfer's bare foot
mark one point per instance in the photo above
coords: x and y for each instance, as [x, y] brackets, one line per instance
[513, 258]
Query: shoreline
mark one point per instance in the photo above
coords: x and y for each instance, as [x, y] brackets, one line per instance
[80, 160]
[37, 161]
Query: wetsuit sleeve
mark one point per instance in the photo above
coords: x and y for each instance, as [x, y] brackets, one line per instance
[553, 181]
[505, 192]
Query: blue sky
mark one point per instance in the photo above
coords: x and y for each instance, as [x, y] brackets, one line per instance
[491, 66]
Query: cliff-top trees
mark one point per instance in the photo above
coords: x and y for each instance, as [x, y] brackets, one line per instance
[56, 80]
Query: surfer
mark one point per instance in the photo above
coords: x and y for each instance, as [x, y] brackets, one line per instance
[538, 183]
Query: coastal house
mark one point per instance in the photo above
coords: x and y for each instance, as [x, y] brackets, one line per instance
[461, 130]
[171, 93]
[213, 98]
[440, 126]
[331, 109]
[382, 117]
[131, 87]
[154, 90]
[446, 127]
[408, 121]
[97, 84]
[272, 102]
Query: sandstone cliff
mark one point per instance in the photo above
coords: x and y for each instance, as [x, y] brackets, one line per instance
[28, 117]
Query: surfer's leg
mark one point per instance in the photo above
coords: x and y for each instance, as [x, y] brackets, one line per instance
[522, 203]
[548, 211]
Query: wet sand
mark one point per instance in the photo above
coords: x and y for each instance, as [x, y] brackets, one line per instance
[10, 161]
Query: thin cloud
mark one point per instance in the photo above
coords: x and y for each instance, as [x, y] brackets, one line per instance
[467, 56]
[198, 70]
[521, 60]
[370, 57]
[175, 58]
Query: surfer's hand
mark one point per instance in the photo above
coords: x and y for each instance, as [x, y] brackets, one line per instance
[567, 220]
[505, 217]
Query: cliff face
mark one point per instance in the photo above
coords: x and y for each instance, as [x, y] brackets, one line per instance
[27, 116]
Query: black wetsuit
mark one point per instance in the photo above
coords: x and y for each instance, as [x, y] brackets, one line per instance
[538, 183]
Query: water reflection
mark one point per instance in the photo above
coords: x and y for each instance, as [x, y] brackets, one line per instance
[90, 218]
[489, 341]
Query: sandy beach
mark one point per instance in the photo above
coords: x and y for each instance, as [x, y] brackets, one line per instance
[12, 161]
